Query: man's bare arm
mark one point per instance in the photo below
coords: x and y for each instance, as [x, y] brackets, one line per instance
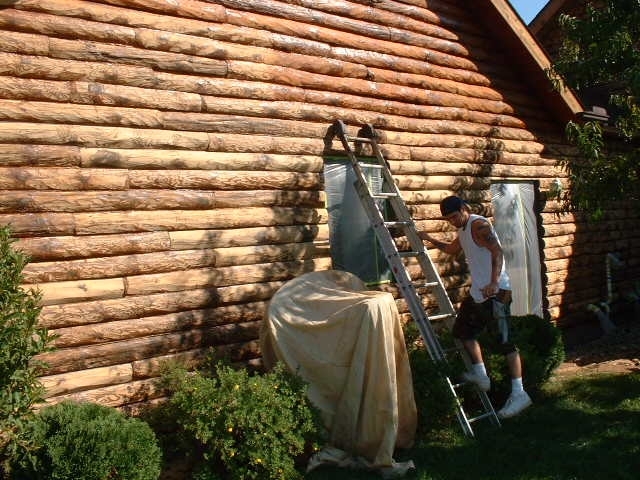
[447, 247]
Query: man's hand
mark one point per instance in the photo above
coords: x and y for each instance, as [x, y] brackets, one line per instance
[490, 290]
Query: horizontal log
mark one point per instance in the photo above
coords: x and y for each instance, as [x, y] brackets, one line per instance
[593, 249]
[224, 180]
[236, 352]
[75, 291]
[31, 224]
[428, 164]
[46, 224]
[71, 382]
[46, 112]
[55, 25]
[158, 262]
[115, 353]
[70, 247]
[159, 325]
[93, 93]
[173, 62]
[15, 155]
[38, 201]
[190, 8]
[114, 395]
[84, 313]
[424, 104]
[190, 239]
[224, 276]
[224, 123]
[122, 222]
[62, 178]
[441, 182]
[460, 141]
[193, 160]
[100, 136]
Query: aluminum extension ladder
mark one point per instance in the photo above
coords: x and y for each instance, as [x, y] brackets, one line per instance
[389, 191]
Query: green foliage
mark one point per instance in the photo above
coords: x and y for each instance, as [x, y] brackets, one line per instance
[541, 350]
[86, 441]
[21, 339]
[600, 53]
[434, 402]
[244, 426]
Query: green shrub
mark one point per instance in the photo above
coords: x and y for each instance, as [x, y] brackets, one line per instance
[541, 350]
[86, 441]
[434, 402]
[21, 339]
[244, 426]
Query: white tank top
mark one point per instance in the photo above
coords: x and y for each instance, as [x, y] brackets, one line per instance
[479, 261]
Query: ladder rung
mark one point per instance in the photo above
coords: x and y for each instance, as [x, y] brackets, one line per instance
[385, 195]
[374, 166]
[418, 285]
[408, 253]
[360, 139]
[480, 417]
[441, 316]
[396, 224]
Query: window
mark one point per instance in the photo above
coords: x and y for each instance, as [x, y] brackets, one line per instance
[354, 246]
[516, 225]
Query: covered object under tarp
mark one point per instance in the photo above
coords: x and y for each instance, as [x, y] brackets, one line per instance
[347, 343]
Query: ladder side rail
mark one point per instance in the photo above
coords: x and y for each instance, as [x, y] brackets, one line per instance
[424, 260]
[398, 269]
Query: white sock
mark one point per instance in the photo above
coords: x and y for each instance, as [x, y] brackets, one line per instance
[516, 385]
[479, 369]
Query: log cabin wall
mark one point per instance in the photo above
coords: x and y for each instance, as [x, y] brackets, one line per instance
[161, 163]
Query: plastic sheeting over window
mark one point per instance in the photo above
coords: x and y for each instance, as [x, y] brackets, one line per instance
[354, 247]
[516, 225]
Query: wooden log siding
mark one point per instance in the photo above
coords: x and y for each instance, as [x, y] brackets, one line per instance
[162, 164]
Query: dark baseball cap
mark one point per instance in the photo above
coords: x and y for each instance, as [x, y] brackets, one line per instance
[451, 205]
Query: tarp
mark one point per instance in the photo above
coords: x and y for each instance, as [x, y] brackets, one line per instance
[348, 344]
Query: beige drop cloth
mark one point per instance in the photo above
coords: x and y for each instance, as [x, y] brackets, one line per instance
[348, 344]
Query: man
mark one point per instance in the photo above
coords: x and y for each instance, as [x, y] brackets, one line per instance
[490, 297]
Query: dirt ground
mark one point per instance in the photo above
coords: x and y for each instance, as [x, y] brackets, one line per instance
[592, 351]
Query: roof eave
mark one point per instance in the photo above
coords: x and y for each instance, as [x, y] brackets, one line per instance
[529, 55]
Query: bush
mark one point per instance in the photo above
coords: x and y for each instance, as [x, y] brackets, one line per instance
[435, 404]
[21, 339]
[86, 441]
[541, 350]
[244, 426]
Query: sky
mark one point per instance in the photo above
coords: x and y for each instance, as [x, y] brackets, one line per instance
[528, 9]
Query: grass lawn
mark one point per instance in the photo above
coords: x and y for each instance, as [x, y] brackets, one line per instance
[579, 428]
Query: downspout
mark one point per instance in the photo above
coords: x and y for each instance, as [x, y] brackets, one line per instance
[602, 310]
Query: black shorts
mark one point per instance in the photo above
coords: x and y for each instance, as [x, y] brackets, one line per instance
[491, 315]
